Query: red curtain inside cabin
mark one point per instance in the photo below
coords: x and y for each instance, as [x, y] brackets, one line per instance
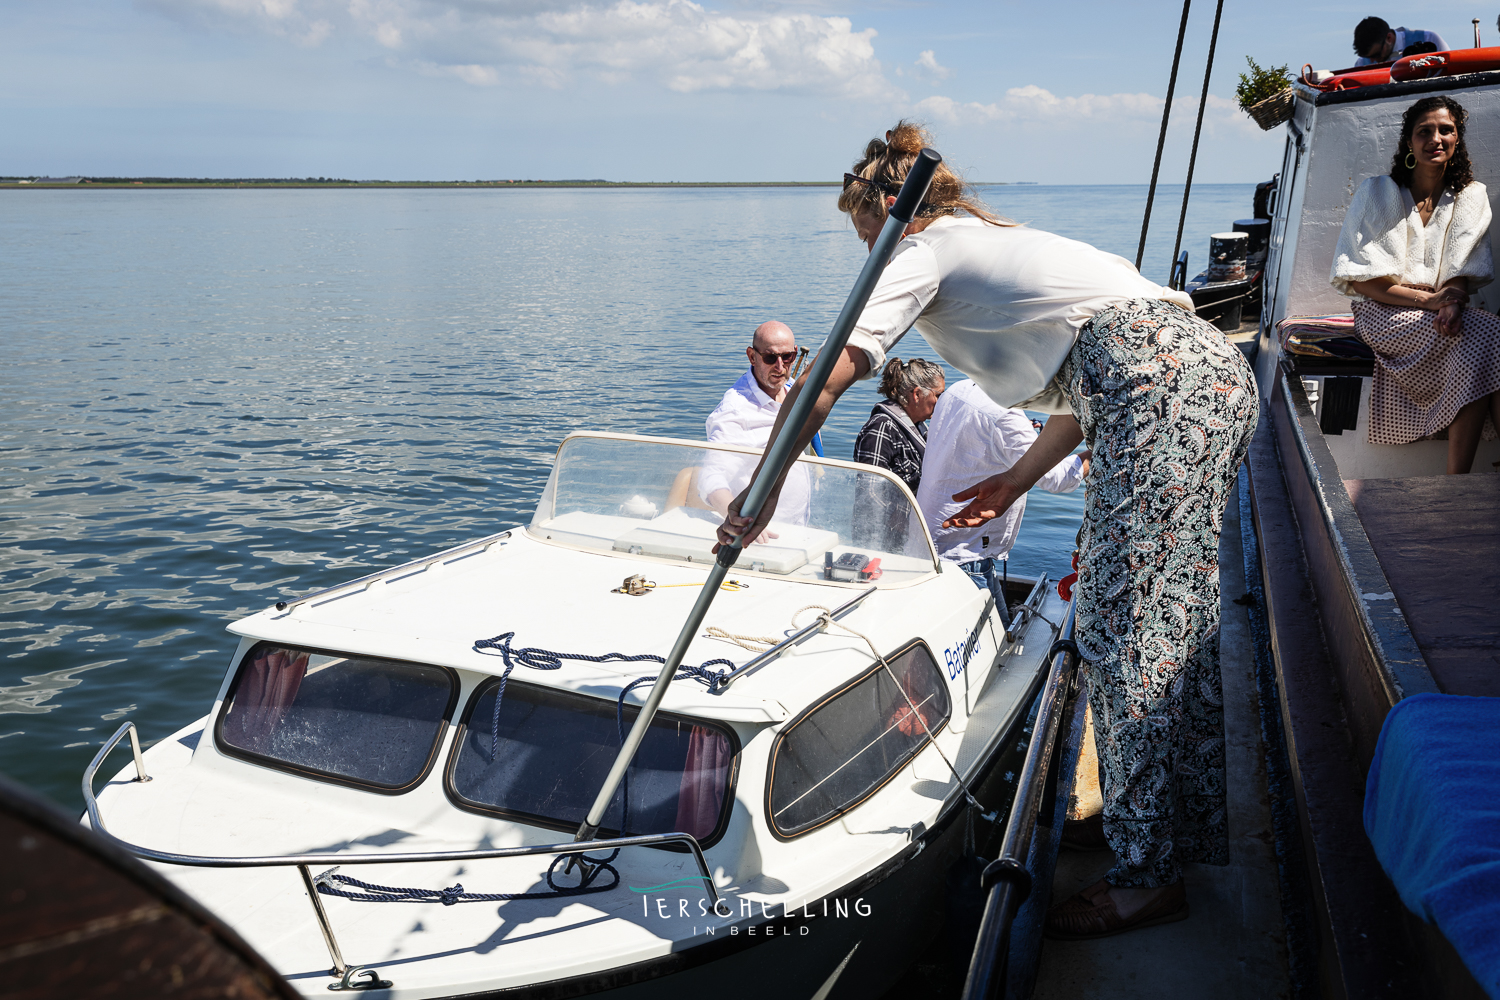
[921, 690]
[267, 689]
[705, 775]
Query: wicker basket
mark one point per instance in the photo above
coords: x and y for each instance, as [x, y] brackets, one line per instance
[1273, 110]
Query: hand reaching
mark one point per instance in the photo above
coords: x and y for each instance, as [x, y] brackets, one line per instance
[988, 500]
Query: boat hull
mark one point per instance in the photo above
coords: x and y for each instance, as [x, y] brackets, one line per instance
[854, 943]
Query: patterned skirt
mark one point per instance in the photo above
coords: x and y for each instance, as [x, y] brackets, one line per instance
[1167, 406]
[1423, 378]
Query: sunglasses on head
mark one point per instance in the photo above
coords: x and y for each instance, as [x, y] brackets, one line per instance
[771, 357]
[894, 190]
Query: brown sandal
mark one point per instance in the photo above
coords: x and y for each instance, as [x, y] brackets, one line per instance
[1092, 914]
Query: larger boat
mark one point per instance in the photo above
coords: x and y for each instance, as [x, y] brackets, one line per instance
[1380, 573]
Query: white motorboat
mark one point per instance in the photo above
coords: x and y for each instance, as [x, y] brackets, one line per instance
[387, 759]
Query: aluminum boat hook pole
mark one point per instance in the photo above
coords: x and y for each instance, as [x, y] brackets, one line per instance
[779, 457]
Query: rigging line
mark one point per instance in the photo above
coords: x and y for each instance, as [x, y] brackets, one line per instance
[1197, 129]
[911, 706]
[1161, 140]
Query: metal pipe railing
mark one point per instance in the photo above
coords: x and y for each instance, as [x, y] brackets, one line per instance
[301, 861]
[1007, 881]
[795, 639]
[406, 568]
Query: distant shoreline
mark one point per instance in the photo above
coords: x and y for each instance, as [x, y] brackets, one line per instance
[114, 183]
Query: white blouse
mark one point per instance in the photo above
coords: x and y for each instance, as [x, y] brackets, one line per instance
[1383, 237]
[1002, 304]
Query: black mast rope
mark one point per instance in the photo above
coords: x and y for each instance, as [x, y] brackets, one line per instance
[1161, 140]
[1193, 159]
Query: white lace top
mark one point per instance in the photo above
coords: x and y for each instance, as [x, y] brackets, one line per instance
[1383, 237]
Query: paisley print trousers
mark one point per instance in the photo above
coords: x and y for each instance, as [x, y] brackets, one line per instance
[1167, 406]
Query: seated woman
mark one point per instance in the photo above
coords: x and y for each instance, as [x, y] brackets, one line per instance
[1414, 245]
[895, 438]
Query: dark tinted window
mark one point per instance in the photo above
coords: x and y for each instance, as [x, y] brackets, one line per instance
[367, 721]
[553, 750]
[830, 759]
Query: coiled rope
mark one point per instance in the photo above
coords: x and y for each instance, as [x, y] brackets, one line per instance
[547, 659]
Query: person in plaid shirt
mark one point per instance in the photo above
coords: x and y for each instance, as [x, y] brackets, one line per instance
[895, 436]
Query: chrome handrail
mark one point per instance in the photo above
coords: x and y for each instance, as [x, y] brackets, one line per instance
[414, 565]
[798, 637]
[96, 820]
[1007, 881]
[1032, 608]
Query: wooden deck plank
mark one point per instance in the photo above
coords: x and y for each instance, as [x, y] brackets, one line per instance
[1438, 540]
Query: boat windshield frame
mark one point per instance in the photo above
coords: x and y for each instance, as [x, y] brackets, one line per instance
[745, 563]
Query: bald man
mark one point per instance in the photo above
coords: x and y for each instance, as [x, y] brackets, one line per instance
[748, 410]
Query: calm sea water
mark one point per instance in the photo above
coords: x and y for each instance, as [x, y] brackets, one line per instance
[214, 399]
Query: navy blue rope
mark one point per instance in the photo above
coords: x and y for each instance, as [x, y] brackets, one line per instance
[456, 893]
[546, 659]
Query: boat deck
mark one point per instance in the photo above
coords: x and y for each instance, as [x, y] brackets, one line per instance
[1438, 540]
[1234, 943]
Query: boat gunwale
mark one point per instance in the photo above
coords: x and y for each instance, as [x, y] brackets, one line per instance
[1404, 671]
[1356, 95]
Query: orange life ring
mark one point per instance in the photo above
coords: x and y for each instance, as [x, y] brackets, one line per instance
[1451, 63]
[1346, 79]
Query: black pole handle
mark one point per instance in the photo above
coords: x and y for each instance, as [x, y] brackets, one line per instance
[914, 188]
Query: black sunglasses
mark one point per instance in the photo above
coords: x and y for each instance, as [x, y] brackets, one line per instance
[894, 190]
[771, 357]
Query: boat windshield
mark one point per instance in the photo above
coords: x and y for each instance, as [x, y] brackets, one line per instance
[660, 498]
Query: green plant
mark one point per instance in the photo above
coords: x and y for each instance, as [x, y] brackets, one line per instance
[1259, 84]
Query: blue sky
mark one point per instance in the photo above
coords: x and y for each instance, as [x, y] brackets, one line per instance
[643, 89]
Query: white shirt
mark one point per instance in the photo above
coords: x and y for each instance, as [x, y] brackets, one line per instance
[1383, 237]
[745, 417]
[971, 438]
[1002, 304]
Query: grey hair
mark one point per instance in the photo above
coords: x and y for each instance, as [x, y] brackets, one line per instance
[901, 377]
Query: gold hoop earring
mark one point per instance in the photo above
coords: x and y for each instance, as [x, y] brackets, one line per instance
[1411, 161]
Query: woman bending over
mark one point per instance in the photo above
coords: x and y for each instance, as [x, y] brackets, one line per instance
[1414, 245]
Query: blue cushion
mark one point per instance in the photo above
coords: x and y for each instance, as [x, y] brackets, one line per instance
[1432, 810]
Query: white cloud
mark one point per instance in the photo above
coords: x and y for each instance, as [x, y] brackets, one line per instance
[677, 43]
[1033, 105]
[927, 62]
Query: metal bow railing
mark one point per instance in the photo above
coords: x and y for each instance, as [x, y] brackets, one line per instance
[341, 968]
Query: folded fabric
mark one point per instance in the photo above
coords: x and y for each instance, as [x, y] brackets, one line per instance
[1432, 811]
[1347, 348]
[1308, 329]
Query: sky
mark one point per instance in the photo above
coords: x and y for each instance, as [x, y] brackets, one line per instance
[648, 90]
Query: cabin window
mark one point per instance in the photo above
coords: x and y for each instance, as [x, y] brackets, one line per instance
[552, 749]
[351, 719]
[839, 752]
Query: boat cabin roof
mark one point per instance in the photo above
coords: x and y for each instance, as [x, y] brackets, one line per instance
[559, 590]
